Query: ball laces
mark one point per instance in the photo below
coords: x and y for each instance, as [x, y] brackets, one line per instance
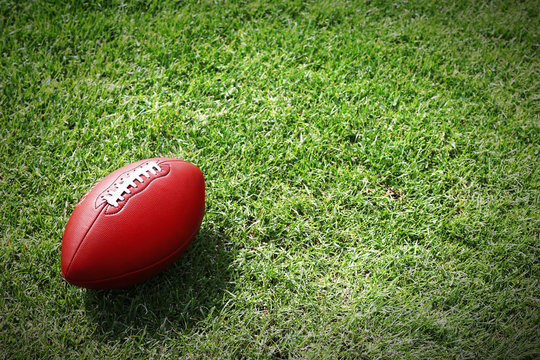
[123, 185]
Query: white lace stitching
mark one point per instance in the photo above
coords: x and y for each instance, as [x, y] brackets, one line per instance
[123, 184]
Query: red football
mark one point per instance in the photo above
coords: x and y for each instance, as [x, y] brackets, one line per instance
[133, 223]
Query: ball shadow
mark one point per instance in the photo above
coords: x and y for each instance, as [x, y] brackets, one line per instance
[191, 290]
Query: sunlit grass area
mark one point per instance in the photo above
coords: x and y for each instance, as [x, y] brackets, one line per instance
[371, 174]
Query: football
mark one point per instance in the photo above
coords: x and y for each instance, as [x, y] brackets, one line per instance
[133, 223]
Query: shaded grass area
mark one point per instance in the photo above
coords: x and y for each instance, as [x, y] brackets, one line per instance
[371, 171]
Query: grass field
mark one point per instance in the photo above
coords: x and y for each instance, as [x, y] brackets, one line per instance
[371, 168]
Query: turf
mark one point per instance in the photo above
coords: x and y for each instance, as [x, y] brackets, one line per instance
[371, 168]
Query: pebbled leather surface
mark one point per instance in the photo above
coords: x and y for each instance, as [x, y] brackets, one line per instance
[105, 248]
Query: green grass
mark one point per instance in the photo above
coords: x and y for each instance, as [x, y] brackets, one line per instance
[372, 176]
